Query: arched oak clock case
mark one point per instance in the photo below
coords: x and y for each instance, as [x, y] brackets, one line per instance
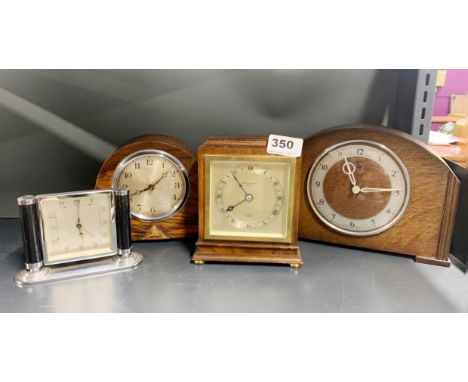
[428, 189]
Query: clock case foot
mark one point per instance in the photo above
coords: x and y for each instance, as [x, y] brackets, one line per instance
[247, 253]
[85, 268]
[432, 261]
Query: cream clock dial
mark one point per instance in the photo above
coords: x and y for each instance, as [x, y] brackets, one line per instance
[358, 188]
[77, 227]
[249, 199]
[157, 182]
[240, 207]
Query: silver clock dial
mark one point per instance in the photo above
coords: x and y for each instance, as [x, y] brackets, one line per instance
[358, 188]
[157, 183]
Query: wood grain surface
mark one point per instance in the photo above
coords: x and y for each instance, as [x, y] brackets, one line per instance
[425, 230]
[243, 251]
[184, 222]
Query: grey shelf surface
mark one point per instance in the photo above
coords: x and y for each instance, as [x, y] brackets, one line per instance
[333, 279]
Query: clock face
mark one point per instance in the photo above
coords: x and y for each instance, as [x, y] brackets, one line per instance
[249, 198]
[358, 188]
[77, 227]
[157, 183]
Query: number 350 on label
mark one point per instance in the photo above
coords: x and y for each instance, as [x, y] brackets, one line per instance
[287, 146]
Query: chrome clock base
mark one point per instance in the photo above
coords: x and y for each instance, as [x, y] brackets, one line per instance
[85, 268]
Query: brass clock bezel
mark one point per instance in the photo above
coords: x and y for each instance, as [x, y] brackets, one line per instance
[162, 154]
[381, 147]
[250, 159]
[73, 195]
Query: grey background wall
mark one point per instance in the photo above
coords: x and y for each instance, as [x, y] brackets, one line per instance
[57, 126]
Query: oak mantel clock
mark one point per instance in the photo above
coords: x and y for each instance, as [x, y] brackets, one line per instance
[375, 187]
[248, 203]
[161, 175]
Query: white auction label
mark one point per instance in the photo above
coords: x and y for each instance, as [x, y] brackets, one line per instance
[287, 146]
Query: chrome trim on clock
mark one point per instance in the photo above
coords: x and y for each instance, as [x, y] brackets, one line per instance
[85, 268]
[33, 266]
[381, 147]
[162, 154]
[124, 252]
[26, 200]
[122, 191]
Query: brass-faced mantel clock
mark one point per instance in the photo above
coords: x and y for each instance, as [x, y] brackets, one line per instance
[248, 203]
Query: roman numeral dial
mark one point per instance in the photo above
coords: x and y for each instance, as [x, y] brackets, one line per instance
[249, 199]
[240, 197]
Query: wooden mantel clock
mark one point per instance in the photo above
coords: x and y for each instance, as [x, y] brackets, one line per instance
[248, 203]
[377, 188]
[161, 175]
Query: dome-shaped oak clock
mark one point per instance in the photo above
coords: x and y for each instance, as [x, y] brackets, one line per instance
[161, 175]
[377, 188]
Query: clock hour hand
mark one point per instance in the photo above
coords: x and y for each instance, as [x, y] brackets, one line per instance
[378, 189]
[78, 219]
[247, 198]
[349, 168]
[230, 208]
[239, 183]
[80, 227]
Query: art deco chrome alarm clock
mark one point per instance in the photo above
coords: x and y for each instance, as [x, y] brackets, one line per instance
[248, 203]
[75, 234]
[160, 173]
[377, 188]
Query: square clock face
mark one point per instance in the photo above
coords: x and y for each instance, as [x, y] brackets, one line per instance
[249, 197]
[77, 226]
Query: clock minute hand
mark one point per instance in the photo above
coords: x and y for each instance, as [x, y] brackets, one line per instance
[151, 185]
[239, 183]
[378, 189]
[89, 233]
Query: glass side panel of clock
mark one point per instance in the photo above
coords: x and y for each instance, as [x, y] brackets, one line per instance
[249, 199]
[77, 225]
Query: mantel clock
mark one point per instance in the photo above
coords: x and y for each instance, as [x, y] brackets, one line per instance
[161, 175]
[378, 188]
[248, 203]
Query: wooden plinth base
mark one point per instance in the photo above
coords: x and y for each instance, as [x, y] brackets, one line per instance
[432, 261]
[247, 253]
